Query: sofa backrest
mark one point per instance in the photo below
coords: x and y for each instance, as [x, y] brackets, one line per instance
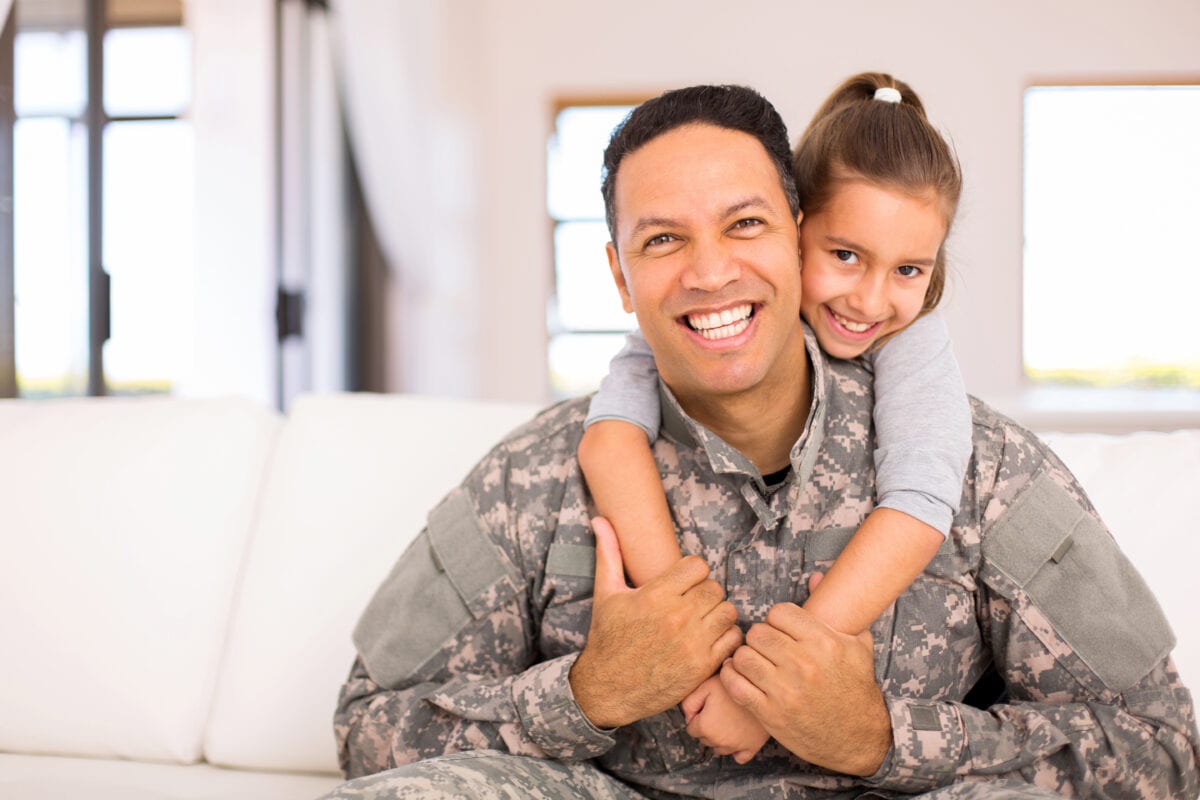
[350, 485]
[122, 528]
[128, 527]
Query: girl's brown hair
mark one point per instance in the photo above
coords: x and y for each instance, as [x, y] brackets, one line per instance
[854, 136]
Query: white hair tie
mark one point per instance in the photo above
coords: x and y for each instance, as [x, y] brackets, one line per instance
[887, 94]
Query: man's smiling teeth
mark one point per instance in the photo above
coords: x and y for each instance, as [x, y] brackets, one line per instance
[851, 325]
[722, 324]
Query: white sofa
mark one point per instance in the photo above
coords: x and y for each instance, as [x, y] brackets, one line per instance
[178, 578]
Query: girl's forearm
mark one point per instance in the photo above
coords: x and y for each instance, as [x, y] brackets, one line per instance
[625, 484]
[888, 551]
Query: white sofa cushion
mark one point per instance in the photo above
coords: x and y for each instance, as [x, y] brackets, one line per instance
[351, 483]
[124, 524]
[1144, 485]
[53, 778]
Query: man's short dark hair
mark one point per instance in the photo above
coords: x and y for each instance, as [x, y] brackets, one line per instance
[737, 108]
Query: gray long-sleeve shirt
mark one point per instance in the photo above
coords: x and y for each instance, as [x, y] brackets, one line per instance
[922, 419]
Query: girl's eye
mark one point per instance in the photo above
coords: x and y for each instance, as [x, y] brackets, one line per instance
[845, 256]
[909, 271]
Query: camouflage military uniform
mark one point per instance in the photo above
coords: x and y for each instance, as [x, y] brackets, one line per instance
[468, 643]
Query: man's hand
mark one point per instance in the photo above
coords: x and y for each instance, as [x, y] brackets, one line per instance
[722, 725]
[648, 648]
[813, 689]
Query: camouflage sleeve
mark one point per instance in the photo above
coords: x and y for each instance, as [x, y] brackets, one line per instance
[448, 655]
[378, 728]
[1096, 707]
[1142, 745]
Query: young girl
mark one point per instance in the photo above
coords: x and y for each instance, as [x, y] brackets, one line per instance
[878, 188]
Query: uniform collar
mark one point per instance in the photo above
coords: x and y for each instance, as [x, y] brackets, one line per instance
[724, 459]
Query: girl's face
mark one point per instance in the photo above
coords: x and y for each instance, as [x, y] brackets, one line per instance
[867, 260]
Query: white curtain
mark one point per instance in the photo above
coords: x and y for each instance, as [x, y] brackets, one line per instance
[413, 153]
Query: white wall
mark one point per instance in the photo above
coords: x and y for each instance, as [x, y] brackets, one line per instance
[473, 96]
[233, 115]
[969, 61]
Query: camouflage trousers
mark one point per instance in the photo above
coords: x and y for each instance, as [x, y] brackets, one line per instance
[488, 775]
[484, 775]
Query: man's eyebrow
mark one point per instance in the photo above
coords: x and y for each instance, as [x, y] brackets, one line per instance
[652, 222]
[749, 202]
[668, 222]
[846, 244]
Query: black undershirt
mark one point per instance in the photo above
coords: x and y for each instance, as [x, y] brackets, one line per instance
[774, 479]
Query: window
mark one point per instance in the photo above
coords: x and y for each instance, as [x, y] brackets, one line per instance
[102, 251]
[1111, 267]
[50, 242]
[586, 322]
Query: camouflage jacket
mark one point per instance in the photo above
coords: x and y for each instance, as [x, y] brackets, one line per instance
[468, 642]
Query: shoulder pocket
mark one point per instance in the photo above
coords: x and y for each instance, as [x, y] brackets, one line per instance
[451, 574]
[1075, 575]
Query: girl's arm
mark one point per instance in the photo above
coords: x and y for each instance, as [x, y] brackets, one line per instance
[621, 473]
[923, 442]
[885, 555]
[624, 481]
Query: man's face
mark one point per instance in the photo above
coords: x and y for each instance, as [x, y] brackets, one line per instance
[706, 255]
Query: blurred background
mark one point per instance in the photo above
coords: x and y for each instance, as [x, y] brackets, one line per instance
[270, 197]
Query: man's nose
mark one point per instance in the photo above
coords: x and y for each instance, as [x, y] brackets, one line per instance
[712, 267]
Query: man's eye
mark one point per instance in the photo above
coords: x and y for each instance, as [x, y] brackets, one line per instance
[909, 271]
[845, 256]
[662, 238]
[748, 223]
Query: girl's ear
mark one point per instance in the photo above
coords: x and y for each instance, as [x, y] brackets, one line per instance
[799, 218]
[614, 266]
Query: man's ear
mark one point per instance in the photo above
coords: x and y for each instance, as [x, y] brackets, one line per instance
[614, 266]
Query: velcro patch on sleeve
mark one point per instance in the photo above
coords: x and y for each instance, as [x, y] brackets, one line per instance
[1075, 574]
[470, 559]
[451, 574]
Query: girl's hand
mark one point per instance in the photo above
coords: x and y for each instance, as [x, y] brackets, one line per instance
[722, 725]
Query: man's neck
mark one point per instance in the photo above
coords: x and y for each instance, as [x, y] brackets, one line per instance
[764, 422]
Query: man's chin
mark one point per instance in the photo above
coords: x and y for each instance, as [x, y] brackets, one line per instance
[716, 384]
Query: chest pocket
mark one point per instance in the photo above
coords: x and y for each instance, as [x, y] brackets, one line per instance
[1072, 571]
[927, 633]
[821, 549]
[660, 742]
[570, 571]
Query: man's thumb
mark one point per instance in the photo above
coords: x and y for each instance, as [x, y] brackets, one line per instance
[610, 569]
[815, 581]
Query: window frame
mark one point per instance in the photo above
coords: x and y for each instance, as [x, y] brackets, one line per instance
[8, 122]
[1113, 410]
[554, 328]
[96, 23]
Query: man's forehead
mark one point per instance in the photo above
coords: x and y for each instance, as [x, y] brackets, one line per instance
[696, 165]
[695, 137]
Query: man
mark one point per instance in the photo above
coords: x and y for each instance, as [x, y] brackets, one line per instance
[507, 638]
